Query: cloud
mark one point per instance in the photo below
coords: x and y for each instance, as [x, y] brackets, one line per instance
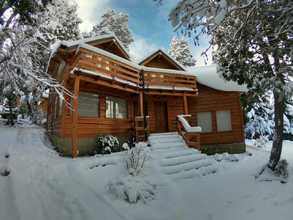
[90, 12]
[141, 48]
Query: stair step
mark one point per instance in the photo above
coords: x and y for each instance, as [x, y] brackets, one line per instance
[181, 152]
[168, 145]
[180, 160]
[186, 174]
[187, 166]
[166, 141]
[163, 134]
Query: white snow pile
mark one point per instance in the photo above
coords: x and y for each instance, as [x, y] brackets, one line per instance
[132, 189]
[209, 76]
[261, 142]
[134, 186]
[226, 156]
[186, 125]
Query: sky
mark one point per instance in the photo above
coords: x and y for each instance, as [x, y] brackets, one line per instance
[148, 23]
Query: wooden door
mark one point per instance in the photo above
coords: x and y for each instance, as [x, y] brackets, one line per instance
[161, 116]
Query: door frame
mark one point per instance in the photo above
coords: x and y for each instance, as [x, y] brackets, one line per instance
[165, 103]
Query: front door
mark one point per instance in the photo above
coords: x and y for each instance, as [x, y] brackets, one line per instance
[161, 116]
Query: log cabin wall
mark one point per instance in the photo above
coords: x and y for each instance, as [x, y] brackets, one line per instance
[89, 127]
[211, 100]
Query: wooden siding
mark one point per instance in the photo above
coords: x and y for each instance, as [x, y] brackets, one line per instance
[91, 126]
[210, 100]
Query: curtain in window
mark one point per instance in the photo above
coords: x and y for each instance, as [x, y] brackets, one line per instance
[88, 104]
[204, 120]
[224, 121]
[116, 108]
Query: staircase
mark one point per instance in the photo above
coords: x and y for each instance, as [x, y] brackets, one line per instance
[177, 161]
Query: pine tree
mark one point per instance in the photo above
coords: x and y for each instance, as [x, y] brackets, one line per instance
[180, 51]
[59, 22]
[114, 22]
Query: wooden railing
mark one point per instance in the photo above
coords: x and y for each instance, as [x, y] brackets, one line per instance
[190, 136]
[141, 128]
[172, 80]
[130, 75]
[111, 69]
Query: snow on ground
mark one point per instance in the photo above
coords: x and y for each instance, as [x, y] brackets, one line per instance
[45, 186]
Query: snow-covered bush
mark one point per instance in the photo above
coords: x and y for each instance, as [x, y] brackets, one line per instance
[261, 142]
[132, 189]
[107, 144]
[135, 159]
[281, 169]
[226, 156]
[133, 185]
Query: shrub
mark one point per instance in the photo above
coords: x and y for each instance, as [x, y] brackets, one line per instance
[135, 159]
[107, 144]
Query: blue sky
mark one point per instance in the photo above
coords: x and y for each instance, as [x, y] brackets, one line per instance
[148, 23]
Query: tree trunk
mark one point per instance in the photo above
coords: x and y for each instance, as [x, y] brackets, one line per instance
[279, 104]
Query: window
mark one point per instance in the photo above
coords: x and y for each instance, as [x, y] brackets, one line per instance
[224, 121]
[116, 108]
[204, 120]
[88, 104]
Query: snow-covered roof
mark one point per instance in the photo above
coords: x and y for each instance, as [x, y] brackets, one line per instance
[165, 54]
[92, 39]
[209, 76]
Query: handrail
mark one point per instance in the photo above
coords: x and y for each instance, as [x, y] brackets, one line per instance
[191, 135]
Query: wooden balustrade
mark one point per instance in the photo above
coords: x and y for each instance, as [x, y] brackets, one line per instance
[192, 139]
[175, 81]
[109, 68]
[141, 130]
[129, 75]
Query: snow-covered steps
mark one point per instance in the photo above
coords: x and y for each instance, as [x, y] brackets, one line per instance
[177, 161]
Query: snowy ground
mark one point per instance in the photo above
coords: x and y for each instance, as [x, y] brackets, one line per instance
[44, 186]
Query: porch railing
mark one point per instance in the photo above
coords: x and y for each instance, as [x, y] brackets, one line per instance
[171, 81]
[141, 128]
[191, 135]
[108, 68]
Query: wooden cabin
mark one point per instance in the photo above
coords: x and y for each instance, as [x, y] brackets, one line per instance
[113, 95]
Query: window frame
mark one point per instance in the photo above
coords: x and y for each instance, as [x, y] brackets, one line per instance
[114, 99]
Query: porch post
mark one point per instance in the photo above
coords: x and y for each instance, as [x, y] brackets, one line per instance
[185, 104]
[74, 148]
[141, 103]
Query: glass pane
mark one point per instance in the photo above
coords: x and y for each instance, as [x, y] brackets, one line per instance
[116, 108]
[121, 108]
[88, 104]
[109, 108]
[224, 121]
[204, 120]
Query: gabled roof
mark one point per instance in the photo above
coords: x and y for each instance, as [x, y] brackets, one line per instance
[209, 76]
[160, 52]
[97, 40]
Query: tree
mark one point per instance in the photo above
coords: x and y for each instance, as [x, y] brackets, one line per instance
[254, 46]
[114, 22]
[20, 63]
[180, 51]
[59, 22]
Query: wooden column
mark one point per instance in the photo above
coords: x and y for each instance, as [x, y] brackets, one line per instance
[185, 104]
[74, 148]
[141, 103]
